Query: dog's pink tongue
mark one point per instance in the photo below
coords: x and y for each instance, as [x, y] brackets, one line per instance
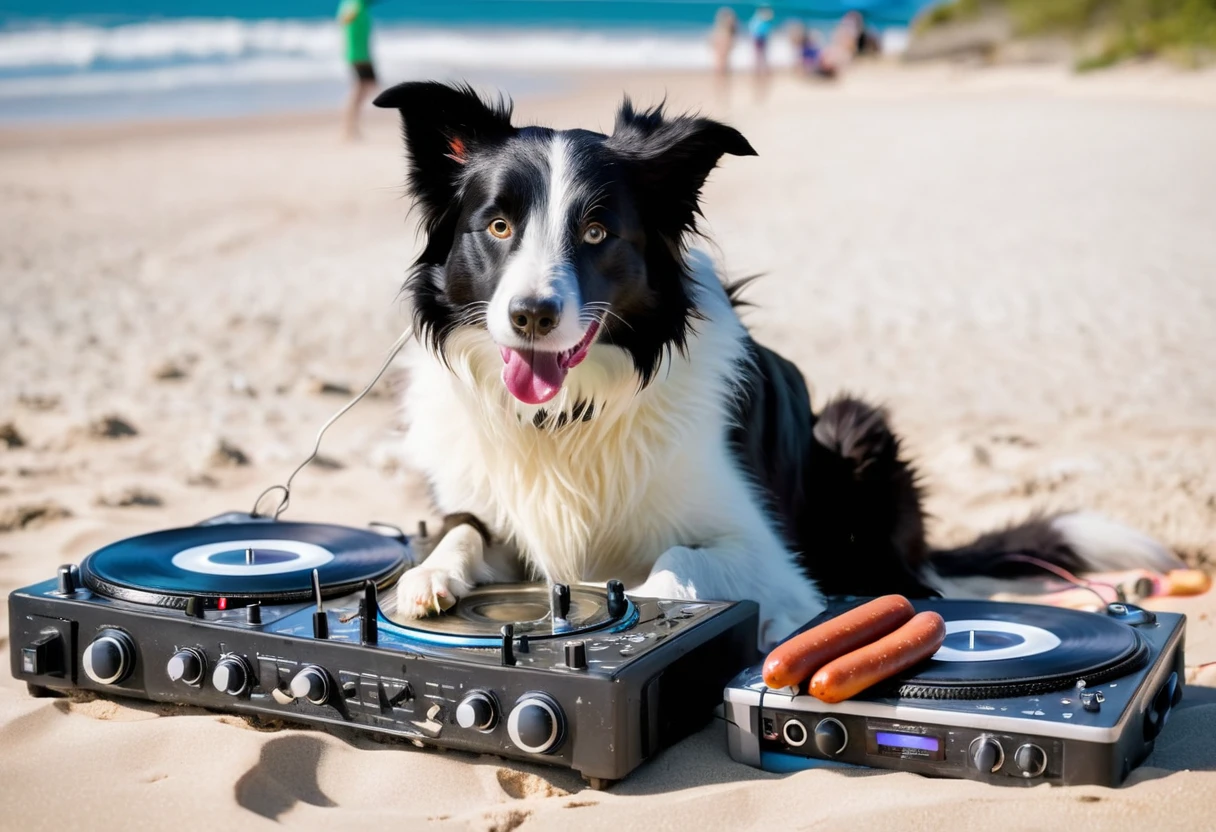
[532, 377]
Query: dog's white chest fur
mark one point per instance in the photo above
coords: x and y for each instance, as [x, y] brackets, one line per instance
[585, 497]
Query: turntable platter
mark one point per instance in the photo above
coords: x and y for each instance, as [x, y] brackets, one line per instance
[242, 563]
[999, 650]
[478, 618]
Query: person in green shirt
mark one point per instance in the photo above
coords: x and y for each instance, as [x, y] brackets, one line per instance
[357, 28]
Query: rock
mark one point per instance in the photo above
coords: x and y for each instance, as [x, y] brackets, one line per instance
[111, 427]
[169, 371]
[128, 497]
[224, 454]
[202, 481]
[40, 403]
[327, 388]
[9, 436]
[31, 515]
[326, 463]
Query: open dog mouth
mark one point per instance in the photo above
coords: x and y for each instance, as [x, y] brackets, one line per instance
[534, 376]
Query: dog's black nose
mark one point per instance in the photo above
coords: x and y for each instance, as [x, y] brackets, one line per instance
[535, 317]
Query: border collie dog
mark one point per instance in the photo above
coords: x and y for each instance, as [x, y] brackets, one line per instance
[586, 404]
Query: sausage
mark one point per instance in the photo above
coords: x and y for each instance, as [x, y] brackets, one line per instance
[792, 662]
[854, 672]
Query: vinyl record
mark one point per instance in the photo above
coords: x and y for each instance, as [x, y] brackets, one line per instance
[995, 650]
[269, 562]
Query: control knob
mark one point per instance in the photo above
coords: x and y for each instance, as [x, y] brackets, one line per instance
[187, 666]
[231, 675]
[110, 657]
[1030, 760]
[986, 754]
[536, 724]
[831, 736]
[311, 683]
[477, 711]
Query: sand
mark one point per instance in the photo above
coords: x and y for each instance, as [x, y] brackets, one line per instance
[1018, 262]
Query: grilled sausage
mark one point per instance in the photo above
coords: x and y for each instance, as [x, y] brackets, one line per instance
[852, 673]
[793, 662]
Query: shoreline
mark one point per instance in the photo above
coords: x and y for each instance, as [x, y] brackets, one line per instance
[1149, 81]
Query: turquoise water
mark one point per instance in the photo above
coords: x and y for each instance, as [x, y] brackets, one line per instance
[85, 59]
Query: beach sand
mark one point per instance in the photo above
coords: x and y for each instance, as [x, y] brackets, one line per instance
[1020, 263]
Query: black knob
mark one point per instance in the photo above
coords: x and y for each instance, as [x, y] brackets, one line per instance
[616, 599]
[535, 724]
[311, 683]
[559, 601]
[67, 579]
[187, 666]
[109, 658]
[476, 711]
[253, 613]
[576, 655]
[231, 675]
[831, 736]
[1030, 760]
[986, 754]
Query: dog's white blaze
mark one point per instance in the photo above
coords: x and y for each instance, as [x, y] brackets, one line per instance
[541, 267]
[646, 491]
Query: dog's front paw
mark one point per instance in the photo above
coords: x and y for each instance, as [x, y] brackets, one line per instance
[672, 576]
[422, 592]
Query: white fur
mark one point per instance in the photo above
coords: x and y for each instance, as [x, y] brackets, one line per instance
[540, 267]
[647, 491]
[1107, 546]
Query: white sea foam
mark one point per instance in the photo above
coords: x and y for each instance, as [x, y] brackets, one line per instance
[74, 59]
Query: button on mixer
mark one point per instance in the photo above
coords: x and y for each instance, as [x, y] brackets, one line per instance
[311, 683]
[110, 657]
[231, 675]
[477, 711]
[188, 666]
[1030, 760]
[536, 724]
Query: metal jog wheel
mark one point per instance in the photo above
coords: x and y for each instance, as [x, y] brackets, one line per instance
[531, 610]
[240, 563]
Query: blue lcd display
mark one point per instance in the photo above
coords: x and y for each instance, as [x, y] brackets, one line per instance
[916, 741]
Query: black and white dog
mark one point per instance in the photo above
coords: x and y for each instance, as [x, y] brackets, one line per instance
[587, 405]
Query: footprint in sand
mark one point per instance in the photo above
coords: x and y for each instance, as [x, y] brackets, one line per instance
[521, 784]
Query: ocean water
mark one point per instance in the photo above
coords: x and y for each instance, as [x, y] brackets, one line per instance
[83, 60]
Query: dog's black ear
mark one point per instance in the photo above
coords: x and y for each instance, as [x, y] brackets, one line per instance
[444, 126]
[672, 157]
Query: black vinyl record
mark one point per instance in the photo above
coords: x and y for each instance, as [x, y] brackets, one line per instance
[270, 562]
[995, 650]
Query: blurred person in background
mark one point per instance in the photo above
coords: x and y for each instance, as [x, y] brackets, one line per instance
[356, 23]
[805, 42]
[722, 39]
[760, 27]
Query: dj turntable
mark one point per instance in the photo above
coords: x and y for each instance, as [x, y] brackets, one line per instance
[282, 619]
[1017, 695]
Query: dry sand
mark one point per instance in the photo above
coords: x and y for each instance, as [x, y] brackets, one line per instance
[1020, 263]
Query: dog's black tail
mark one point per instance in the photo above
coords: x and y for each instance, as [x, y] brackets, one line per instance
[1073, 541]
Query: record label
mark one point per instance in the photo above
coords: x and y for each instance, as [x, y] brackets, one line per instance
[252, 557]
[974, 640]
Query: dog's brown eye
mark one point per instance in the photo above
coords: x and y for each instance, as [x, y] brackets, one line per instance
[500, 228]
[595, 234]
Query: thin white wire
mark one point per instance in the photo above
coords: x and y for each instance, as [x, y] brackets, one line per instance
[316, 448]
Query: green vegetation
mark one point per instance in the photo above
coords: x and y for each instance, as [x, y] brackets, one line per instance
[1107, 31]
